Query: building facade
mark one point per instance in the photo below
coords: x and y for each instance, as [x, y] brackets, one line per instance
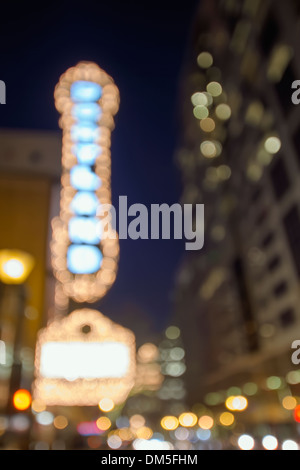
[239, 154]
[29, 199]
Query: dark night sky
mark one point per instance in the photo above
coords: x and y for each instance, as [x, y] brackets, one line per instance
[142, 46]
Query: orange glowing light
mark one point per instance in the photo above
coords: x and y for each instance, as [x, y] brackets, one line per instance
[297, 414]
[289, 402]
[22, 399]
[60, 422]
[206, 422]
[103, 423]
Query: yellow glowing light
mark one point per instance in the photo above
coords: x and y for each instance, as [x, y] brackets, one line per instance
[85, 287]
[205, 60]
[214, 88]
[206, 422]
[207, 125]
[60, 422]
[236, 403]
[144, 433]
[223, 112]
[15, 266]
[272, 144]
[226, 418]
[106, 405]
[169, 423]
[103, 423]
[188, 420]
[22, 399]
[86, 378]
[289, 402]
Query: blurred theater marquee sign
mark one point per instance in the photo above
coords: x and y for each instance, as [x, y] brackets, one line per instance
[84, 357]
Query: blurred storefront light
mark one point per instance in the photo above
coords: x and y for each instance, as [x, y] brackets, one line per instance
[84, 359]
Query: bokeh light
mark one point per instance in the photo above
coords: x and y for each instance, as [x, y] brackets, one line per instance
[205, 60]
[188, 419]
[270, 442]
[290, 444]
[206, 422]
[22, 399]
[246, 442]
[170, 423]
[103, 423]
[226, 418]
[106, 405]
[236, 403]
[289, 402]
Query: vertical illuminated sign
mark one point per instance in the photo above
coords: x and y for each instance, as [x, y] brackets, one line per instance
[83, 260]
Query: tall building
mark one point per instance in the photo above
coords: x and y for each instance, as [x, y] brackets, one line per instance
[29, 198]
[237, 299]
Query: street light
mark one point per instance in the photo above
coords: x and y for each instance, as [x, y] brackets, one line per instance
[15, 267]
